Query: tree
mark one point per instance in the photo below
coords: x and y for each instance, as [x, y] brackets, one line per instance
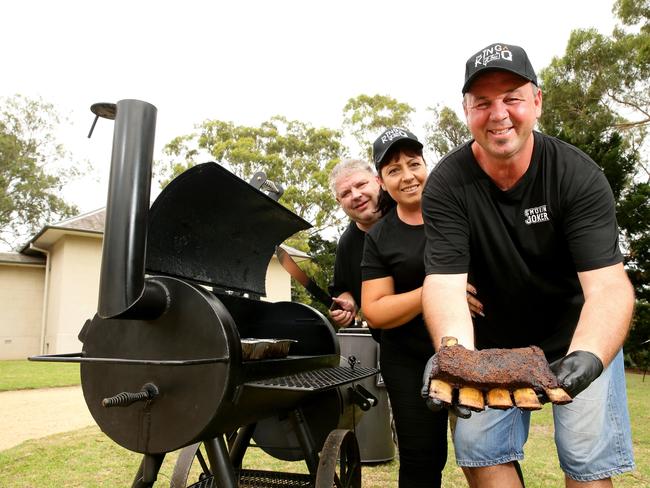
[365, 117]
[32, 167]
[597, 97]
[605, 79]
[445, 131]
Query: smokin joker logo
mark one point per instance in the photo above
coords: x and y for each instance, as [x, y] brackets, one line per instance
[493, 53]
[536, 215]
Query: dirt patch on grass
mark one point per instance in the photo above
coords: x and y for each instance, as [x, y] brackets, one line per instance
[31, 414]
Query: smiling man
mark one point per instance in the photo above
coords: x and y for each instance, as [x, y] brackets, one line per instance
[531, 221]
[356, 188]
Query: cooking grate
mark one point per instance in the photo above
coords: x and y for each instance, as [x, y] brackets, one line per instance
[205, 483]
[269, 479]
[250, 478]
[315, 380]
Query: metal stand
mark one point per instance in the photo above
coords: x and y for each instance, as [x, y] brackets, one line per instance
[148, 471]
[224, 472]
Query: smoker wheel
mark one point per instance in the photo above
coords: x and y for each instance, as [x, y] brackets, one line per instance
[315, 380]
[340, 462]
[263, 479]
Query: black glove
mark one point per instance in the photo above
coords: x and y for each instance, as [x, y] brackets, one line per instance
[577, 371]
[435, 404]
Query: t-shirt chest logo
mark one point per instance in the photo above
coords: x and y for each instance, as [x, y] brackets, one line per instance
[535, 215]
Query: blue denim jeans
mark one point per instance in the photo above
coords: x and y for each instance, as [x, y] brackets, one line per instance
[592, 433]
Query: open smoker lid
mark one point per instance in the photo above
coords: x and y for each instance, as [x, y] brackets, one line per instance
[212, 227]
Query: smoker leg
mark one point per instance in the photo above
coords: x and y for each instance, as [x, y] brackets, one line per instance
[240, 444]
[148, 470]
[223, 470]
[305, 439]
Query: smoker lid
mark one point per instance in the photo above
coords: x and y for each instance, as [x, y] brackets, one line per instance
[210, 226]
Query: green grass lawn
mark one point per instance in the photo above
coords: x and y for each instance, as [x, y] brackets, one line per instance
[24, 375]
[87, 458]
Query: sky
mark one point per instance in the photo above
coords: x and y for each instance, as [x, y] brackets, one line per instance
[247, 60]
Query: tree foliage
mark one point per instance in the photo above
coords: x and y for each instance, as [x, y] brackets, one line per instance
[597, 97]
[32, 169]
[365, 117]
[603, 79]
[445, 130]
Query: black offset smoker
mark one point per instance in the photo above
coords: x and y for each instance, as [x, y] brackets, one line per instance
[163, 366]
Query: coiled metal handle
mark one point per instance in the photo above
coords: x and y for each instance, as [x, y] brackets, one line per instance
[148, 392]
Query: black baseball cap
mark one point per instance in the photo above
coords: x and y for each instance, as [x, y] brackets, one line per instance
[388, 139]
[499, 56]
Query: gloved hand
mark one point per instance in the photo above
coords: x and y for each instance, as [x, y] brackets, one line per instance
[433, 403]
[576, 371]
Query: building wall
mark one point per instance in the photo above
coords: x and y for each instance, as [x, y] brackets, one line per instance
[21, 309]
[73, 291]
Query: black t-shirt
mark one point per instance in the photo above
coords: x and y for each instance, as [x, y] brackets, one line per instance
[522, 247]
[394, 248]
[347, 265]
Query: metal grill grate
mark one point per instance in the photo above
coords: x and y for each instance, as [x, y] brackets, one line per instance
[318, 379]
[263, 479]
[269, 479]
[205, 483]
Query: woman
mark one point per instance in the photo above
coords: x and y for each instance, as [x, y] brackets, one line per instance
[393, 273]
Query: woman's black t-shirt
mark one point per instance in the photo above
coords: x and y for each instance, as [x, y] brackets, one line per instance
[396, 249]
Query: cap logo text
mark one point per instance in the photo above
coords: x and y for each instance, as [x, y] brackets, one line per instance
[391, 134]
[492, 53]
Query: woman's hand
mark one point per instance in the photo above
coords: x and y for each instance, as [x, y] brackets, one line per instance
[475, 306]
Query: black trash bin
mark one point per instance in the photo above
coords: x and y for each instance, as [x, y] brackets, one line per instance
[374, 430]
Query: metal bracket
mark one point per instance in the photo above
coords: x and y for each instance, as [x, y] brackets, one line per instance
[263, 184]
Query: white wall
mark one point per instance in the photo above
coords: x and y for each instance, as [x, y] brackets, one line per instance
[74, 288]
[21, 309]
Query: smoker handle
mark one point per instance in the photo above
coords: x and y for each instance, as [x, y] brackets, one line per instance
[148, 392]
[78, 357]
[362, 397]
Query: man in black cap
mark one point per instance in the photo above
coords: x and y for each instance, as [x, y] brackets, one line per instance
[531, 221]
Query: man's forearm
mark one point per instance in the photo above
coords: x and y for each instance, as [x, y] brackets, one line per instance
[445, 309]
[606, 314]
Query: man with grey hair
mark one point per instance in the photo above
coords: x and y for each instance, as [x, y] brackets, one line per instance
[356, 188]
